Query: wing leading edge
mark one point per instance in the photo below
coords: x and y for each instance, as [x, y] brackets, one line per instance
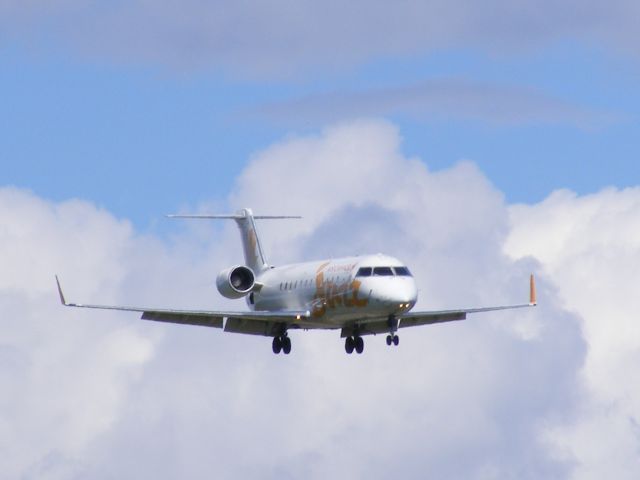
[430, 317]
[236, 321]
[412, 319]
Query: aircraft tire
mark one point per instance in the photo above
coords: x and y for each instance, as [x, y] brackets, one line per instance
[349, 345]
[389, 340]
[286, 345]
[276, 346]
[396, 340]
[359, 345]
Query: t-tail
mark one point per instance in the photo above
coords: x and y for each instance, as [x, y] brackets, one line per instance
[253, 254]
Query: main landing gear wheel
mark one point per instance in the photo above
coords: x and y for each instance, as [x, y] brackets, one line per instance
[281, 344]
[286, 345]
[353, 343]
[393, 339]
[349, 345]
[276, 346]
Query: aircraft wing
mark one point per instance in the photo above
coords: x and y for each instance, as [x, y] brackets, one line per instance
[236, 321]
[413, 319]
[429, 317]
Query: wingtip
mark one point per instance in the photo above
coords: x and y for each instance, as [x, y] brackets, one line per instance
[60, 294]
[532, 291]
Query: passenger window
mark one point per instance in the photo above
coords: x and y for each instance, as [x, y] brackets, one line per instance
[382, 272]
[402, 271]
[364, 272]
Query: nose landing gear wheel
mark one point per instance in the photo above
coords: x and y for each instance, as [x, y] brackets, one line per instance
[393, 339]
[359, 344]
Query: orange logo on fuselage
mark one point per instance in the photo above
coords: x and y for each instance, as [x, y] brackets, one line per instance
[330, 294]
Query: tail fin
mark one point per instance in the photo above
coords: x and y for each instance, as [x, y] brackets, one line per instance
[253, 253]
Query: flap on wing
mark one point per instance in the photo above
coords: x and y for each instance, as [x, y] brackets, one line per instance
[251, 326]
[428, 319]
[381, 325]
[369, 327]
[184, 318]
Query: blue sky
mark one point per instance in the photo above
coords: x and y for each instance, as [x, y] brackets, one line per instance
[141, 137]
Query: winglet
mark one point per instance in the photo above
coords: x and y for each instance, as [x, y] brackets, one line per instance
[62, 299]
[532, 291]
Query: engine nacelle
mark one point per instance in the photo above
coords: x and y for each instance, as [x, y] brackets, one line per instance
[235, 282]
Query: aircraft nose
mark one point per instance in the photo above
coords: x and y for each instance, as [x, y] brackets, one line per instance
[403, 295]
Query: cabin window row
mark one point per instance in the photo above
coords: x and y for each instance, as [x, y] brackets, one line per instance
[295, 284]
[305, 283]
[383, 272]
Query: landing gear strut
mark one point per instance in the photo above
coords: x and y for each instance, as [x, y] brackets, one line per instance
[392, 338]
[354, 343]
[282, 344]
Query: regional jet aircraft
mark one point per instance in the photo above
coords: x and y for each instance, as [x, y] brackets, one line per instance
[360, 295]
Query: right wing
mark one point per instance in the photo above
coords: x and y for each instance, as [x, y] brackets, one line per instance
[259, 323]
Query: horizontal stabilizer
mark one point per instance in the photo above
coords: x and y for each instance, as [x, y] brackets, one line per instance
[233, 216]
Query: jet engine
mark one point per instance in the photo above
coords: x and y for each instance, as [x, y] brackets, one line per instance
[235, 282]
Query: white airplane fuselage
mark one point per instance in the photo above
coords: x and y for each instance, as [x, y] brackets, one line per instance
[339, 290]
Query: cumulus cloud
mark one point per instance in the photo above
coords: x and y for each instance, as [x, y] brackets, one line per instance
[590, 247]
[66, 376]
[63, 378]
[100, 395]
[279, 38]
[545, 393]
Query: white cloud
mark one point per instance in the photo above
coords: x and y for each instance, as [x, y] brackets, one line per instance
[279, 38]
[64, 377]
[499, 396]
[590, 246]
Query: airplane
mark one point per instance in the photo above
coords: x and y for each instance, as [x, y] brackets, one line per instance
[360, 295]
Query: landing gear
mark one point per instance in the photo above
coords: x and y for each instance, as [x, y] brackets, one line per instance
[393, 328]
[349, 345]
[282, 344]
[354, 343]
[276, 346]
[286, 345]
[393, 339]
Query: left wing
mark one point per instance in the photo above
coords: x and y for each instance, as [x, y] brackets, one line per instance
[260, 323]
[413, 319]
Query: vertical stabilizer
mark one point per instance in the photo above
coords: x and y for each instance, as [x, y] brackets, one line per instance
[253, 253]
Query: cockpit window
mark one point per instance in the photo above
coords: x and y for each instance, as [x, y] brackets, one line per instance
[382, 271]
[402, 271]
[364, 272]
